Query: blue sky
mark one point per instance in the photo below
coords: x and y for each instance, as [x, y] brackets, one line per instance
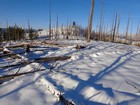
[37, 11]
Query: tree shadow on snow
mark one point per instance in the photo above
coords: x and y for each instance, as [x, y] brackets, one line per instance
[75, 94]
[22, 86]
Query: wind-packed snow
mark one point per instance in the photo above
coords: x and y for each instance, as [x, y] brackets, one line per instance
[103, 73]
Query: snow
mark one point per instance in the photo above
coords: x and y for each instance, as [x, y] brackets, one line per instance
[102, 73]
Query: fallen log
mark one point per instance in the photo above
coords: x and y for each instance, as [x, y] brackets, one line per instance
[10, 54]
[13, 55]
[64, 101]
[12, 76]
[17, 46]
[48, 59]
[39, 60]
[55, 91]
[53, 44]
[13, 46]
[18, 64]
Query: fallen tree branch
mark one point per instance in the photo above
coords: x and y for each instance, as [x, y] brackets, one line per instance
[39, 60]
[12, 76]
[12, 55]
[51, 59]
[53, 44]
[9, 77]
[64, 101]
[18, 64]
[16, 46]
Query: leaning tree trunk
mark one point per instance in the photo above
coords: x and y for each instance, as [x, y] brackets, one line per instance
[90, 21]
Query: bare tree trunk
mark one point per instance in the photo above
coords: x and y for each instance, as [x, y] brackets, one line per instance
[126, 37]
[8, 32]
[15, 33]
[67, 37]
[103, 33]
[57, 37]
[114, 31]
[137, 33]
[62, 31]
[90, 22]
[131, 33]
[112, 28]
[29, 29]
[101, 21]
[106, 33]
[50, 21]
[118, 27]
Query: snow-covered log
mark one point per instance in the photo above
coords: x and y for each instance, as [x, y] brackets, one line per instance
[39, 60]
[12, 76]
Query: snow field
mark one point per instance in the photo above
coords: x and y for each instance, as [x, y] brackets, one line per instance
[101, 74]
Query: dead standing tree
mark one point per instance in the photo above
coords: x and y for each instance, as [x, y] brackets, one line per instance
[101, 22]
[137, 33]
[8, 32]
[50, 21]
[130, 38]
[118, 27]
[56, 36]
[114, 30]
[90, 22]
[126, 37]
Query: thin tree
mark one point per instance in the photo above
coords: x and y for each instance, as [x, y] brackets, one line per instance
[137, 33]
[67, 36]
[126, 35]
[101, 21]
[56, 37]
[90, 22]
[1, 34]
[62, 31]
[114, 30]
[131, 32]
[49, 20]
[29, 30]
[139, 37]
[106, 32]
[118, 27]
[8, 32]
[15, 32]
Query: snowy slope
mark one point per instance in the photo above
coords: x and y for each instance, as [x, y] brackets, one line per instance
[103, 73]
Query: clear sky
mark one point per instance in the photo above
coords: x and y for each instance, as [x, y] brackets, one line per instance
[37, 11]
